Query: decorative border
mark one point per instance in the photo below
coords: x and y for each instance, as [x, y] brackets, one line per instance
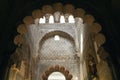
[57, 68]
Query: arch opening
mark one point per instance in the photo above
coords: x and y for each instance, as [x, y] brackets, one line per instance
[56, 76]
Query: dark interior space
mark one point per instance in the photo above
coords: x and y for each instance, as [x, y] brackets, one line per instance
[106, 13]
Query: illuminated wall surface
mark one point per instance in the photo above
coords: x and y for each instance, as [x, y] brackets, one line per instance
[59, 43]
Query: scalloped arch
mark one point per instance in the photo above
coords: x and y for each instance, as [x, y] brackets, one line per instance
[68, 8]
[57, 68]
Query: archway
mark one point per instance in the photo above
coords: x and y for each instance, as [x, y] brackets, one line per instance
[56, 76]
[57, 73]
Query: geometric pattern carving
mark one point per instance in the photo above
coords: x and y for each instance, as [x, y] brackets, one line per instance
[61, 49]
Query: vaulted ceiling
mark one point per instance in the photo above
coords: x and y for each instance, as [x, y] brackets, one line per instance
[106, 12]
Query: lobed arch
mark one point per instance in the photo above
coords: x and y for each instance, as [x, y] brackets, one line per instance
[64, 9]
[57, 68]
[79, 12]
